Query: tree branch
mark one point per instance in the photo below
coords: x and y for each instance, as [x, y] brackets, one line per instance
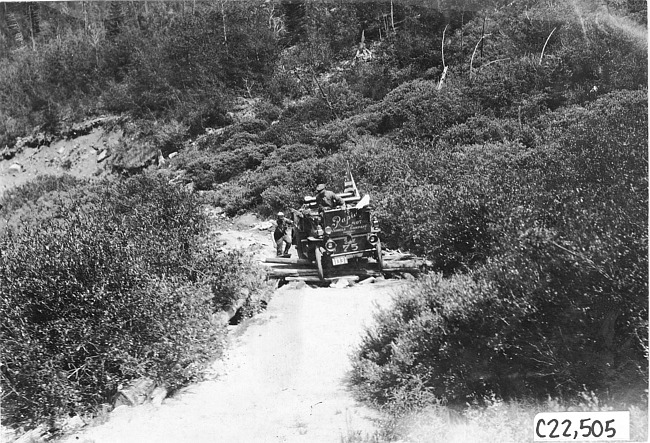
[546, 43]
[443, 45]
[327, 100]
[471, 62]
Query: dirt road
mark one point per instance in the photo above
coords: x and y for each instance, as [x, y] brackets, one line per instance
[284, 378]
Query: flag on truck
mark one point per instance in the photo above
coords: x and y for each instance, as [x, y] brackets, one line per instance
[350, 185]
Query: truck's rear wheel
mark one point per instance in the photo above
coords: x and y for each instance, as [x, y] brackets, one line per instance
[319, 263]
[380, 256]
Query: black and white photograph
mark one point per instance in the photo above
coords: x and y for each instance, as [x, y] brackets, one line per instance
[297, 221]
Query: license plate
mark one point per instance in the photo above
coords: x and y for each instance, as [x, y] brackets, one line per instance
[339, 260]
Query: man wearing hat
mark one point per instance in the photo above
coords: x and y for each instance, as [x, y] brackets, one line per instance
[282, 235]
[327, 199]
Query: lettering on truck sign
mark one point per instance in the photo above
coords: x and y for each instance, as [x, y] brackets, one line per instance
[348, 222]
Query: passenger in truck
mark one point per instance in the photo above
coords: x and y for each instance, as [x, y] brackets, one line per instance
[326, 199]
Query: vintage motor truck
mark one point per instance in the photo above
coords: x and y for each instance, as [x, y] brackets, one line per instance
[336, 237]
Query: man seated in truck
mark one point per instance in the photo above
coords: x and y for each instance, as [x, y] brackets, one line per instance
[326, 199]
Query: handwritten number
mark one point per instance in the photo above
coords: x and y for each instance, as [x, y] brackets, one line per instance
[593, 429]
[582, 426]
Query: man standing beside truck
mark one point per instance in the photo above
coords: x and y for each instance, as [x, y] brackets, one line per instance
[282, 235]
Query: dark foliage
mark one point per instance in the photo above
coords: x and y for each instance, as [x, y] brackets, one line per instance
[560, 302]
[105, 283]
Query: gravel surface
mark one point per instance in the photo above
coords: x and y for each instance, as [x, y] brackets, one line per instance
[283, 380]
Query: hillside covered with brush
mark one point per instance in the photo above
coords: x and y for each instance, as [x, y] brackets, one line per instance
[505, 141]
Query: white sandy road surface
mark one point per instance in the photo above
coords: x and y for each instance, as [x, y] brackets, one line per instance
[283, 380]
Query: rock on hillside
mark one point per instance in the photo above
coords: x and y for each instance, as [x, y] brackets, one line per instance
[78, 151]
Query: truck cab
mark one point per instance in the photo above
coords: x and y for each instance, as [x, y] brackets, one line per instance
[335, 237]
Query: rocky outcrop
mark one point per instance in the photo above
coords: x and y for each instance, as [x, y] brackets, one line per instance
[40, 138]
[85, 127]
[135, 393]
[35, 140]
[102, 155]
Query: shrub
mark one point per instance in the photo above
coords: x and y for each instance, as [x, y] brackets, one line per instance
[372, 80]
[267, 112]
[344, 100]
[207, 169]
[286, 155]
[521, 327]
[332, 136]
[482, 129]
[252, 126]
[421, 342]
[239, 140]
[283, 85]
[558, 303]
[415, 108]
[299, 121]
[198, 112]
[288, 132]
[108, 285]
[422, 110]
[30, 192]
[278, 187]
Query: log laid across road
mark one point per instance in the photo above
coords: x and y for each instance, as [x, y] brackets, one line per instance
[283, 271]
[288, 261]
[402, 258]
[300, 268]
[316, 279]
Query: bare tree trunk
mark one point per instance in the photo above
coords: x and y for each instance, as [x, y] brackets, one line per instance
[31, 26]
[546, 43]
[471, 62]
[85, 13]
[223, 21]
[443, 44]
[392, 17]
[462, 24]
[482, 34]
[444, 66]
[327, 100]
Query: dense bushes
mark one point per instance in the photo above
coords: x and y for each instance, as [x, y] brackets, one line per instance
[16, 198]
[531, 323]
[207, 169]
[558, 303]
[110, 284]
